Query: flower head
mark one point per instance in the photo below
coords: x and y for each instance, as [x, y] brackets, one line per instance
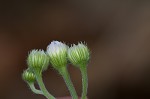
[79, 54]
[28, 76]
[38, 60]
[57, 52]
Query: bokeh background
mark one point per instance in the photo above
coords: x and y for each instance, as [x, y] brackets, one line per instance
[117, 33]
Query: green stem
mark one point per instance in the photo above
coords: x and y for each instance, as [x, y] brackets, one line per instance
[42, 87]
[65, 74]
[36, 91]
[83, 70]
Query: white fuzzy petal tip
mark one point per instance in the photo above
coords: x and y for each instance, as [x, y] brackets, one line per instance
[56, 47]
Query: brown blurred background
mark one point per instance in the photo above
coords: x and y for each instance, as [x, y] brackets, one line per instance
[117, 33]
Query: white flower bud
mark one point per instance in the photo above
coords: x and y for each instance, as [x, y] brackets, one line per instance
[57, 52]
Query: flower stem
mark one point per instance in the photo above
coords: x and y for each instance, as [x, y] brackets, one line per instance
[36, 91]
[65, 74]
[42, 87]
[83, 70]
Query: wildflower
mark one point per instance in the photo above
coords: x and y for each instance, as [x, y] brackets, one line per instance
[57, 52]
[28, 76]
[79, 54]
[38, 60]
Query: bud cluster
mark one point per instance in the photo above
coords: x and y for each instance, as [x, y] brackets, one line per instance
[57, 54]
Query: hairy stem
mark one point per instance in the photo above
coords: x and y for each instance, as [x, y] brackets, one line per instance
[83, 70]
[42, 87]
[65, 74]
[36, 91]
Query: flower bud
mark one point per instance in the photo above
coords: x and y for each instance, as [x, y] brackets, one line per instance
[57, 52]
[79, 54]
[28, 76]
[38, 60]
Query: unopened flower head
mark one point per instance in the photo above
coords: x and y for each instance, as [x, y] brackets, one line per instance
[79, 54]
[57, 52]
[38, 60]
[28, 76]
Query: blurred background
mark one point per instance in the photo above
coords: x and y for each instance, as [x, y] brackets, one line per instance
[117, 33]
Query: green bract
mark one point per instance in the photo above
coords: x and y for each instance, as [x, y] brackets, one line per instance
[57, 52]
[38, 60]
[28, 76]
[79, 54]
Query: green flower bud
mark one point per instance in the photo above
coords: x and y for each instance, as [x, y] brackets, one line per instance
[38, 60]
[79, 54]
[57, 52]
[28, 76]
